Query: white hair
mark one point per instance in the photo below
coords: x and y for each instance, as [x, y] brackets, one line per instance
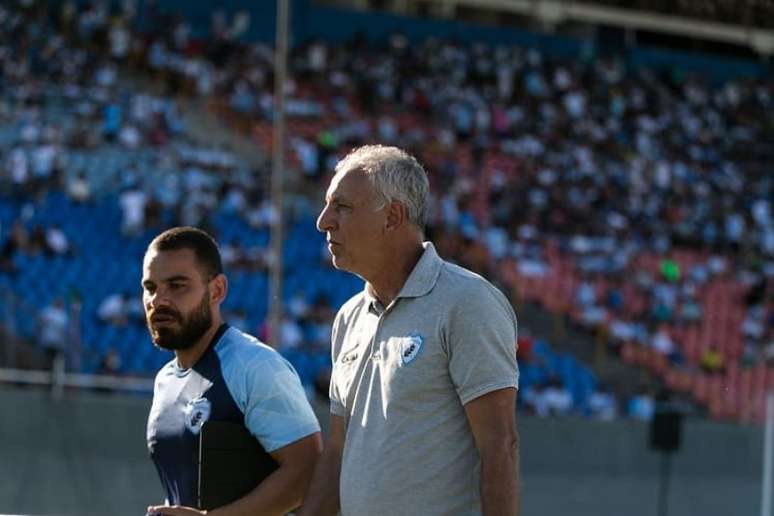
[395, 175]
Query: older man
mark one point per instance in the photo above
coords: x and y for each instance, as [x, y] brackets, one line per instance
[423, 388]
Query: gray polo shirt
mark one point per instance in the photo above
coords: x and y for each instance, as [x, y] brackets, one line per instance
[401, 376]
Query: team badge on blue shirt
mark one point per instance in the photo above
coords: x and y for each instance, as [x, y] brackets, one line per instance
[410, 346]
[196, 413]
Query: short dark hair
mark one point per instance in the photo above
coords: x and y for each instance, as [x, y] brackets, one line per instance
[200, 242]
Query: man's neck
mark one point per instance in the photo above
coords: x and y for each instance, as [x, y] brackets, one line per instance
[186, 358]
[387, 283]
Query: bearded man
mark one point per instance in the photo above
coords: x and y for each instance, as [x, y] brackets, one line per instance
[218, 374]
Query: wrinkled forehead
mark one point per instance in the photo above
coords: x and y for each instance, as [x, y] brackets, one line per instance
[351, 183]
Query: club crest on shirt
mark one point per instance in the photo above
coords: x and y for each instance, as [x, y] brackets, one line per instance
[196, 413]
[410, 346]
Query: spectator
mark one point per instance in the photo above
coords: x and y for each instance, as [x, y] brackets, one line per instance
[56, 240]
[641, 405]
[557, 398]
[38, 242]
[233, 255]
[670, 270]
[130, 137]
[712, 360]
[291, 335]
[53, 324]
[525, 347]
[298, 307]
[603, 404]
[662, 342]
[114, 310]
[18, 242]
[111, 362]
[690, 311]
[536, 400]
[133, 203]
[78, 188]
[17, 168]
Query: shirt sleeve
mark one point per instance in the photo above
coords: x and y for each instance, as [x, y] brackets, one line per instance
[277, 411]
[481, 343]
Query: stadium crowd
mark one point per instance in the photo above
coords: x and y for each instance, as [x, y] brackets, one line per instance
[647, 188]
[647, 191]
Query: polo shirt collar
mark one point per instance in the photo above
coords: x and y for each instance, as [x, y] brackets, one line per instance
[420, 282]
[422, 279]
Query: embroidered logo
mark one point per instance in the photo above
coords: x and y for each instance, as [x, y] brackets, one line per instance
[349, 357]
[196, 413]
[410, 346]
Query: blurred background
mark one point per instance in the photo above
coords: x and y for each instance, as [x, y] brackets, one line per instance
[607, 164]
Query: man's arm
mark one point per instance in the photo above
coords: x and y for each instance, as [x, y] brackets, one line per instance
[279, 493]
[492, 419]
[322, 498]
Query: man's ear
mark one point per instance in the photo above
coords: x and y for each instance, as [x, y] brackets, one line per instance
[218, 288]
[396, 215]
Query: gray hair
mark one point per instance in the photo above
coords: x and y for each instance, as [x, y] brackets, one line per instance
[395, 175]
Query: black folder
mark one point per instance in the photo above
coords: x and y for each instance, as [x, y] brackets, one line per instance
[231, 463]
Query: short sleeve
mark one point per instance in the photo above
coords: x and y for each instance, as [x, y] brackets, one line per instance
[481, 343]
[277, 411]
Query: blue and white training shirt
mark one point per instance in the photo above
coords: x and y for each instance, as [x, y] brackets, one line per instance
[238, 379]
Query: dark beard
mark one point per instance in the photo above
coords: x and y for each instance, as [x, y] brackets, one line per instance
[192, 327]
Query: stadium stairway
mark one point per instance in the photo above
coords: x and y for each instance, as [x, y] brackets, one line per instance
[567, 340]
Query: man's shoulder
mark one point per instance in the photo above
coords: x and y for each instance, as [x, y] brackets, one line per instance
[455, 279]
[242, 348]
[458, 286]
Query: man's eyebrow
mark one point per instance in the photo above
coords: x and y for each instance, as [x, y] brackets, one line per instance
[338, 199]
[176, 277]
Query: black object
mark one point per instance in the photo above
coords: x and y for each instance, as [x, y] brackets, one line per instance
[666, 429]
[231, 463]
[666, 437]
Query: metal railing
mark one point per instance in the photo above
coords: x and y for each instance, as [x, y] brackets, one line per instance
[57, 378]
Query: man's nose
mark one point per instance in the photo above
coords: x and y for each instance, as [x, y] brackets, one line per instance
[324, 221]
[157, 299]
